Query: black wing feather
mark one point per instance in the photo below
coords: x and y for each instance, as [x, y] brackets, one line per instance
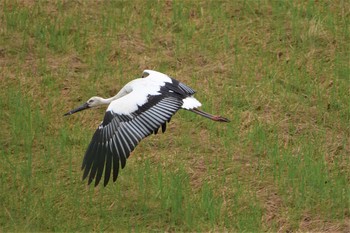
[88, 159]
[108, 166]
[163, 127]
[95, 163]
[100, 164]
[115, 159]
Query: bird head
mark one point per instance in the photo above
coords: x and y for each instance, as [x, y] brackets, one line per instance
[91, 103]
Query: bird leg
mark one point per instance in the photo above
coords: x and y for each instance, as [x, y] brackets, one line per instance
[209, 116]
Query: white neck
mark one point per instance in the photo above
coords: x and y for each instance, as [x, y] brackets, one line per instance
[121, 93]
[109, 100]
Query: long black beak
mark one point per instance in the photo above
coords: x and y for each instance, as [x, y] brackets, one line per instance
[80, 108]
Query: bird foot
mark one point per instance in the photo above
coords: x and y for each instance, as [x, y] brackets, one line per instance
[221, 119]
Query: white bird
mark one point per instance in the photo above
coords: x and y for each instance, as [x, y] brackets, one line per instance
[139, 109]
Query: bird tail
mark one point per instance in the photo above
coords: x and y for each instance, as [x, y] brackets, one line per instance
[209, 116]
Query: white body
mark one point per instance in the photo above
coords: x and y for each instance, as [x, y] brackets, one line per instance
[135, 93]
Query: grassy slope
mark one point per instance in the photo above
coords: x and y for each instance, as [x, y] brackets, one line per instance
[279, 70]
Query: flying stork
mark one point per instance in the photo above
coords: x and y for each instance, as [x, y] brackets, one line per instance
[139, 109]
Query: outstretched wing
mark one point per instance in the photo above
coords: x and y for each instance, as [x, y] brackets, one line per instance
[119, 134]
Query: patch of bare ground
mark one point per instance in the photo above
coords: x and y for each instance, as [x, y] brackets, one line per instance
[134, 49]
[197, 167]
[128, 43]
[197, 171]
[315, 224]
[23, 3]
[273, 217]
[335, 156]
[53, 65]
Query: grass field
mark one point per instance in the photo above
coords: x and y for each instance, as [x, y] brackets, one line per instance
[278, 69]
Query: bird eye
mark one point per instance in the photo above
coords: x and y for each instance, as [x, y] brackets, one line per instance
[145, 74]
[90, 101]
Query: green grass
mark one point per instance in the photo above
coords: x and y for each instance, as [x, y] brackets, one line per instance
[278, 69]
